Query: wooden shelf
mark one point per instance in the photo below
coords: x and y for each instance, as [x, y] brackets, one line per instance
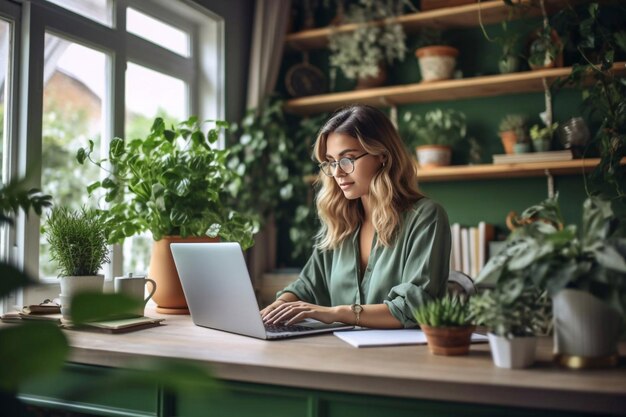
[492, 85]
[449, 17]
[493, 171]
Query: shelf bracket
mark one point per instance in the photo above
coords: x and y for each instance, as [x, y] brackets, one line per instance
[550, 183]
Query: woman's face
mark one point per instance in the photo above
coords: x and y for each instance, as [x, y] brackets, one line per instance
[357, 183]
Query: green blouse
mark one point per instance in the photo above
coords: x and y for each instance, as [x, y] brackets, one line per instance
[404, 276]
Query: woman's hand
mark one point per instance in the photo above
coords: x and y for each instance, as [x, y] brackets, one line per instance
[296, 311]
[271, 308]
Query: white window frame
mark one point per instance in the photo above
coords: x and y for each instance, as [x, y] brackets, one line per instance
[203, 72]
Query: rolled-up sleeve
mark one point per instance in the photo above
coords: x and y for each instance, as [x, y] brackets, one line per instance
[426, 263]
[311, 286]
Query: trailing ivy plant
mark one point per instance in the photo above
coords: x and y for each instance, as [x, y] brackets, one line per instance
[596, 33]
[172, 183]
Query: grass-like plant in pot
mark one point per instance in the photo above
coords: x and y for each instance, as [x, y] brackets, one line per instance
[582, 272]
[78, 246]
[513, 130]
[434, 134]
[173, 184]
[514, 316]
[447, 325]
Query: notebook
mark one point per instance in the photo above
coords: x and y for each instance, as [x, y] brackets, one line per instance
[220, 296]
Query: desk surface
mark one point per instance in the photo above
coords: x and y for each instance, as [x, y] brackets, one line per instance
[324, 362]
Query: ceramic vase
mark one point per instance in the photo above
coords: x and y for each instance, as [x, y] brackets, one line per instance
[515, 353]
[169, 295]
[432, 156]
[436, 62]
[586, 330]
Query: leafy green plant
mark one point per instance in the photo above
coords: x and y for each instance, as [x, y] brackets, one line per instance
[449, 311]
[361, 52]
[544, 253]
[511, 310]
[543, 49]
[538, 133]
[78, 240]
[514, 122]
[436, 127]
[597, 34]
[173, 182]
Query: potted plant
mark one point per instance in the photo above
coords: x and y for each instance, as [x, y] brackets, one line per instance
[173, 184]
[436, 59]
[363, 53]
[434, 134]
[545, 49]
[512, 130]
[446, 323]
[514, 316]
[542, 136]
[78, 246]
[583, 273]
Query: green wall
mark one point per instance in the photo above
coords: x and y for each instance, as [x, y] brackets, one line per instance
[469, 202]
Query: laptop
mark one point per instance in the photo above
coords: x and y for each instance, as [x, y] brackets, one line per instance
[219, 293]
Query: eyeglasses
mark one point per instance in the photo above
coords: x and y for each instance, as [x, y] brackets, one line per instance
[346, 165]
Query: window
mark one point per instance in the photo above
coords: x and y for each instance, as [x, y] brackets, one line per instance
[99, 79]
[73, 101]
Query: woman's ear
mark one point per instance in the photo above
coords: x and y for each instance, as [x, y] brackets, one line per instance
[383, 159]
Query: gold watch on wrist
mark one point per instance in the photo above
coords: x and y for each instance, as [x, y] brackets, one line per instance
[357, 309]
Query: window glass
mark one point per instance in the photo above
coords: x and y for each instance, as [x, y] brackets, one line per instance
[98, 10]
[158, 32]
[5, 61]
[73, 97]
[144, 102]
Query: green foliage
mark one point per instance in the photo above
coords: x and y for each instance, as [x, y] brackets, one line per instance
[514, 122]
[87, 307]
[15, 196]
[360, 53]
[77, 238]
[547, 255]
[436, 127]
[172, 183]
[544, 49]
[449, 311]
[538, 133]
[596, 33]
[512, 311]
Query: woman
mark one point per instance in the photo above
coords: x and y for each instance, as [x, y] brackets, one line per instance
[383, 248]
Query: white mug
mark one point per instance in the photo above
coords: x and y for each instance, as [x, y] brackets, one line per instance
[135, 287]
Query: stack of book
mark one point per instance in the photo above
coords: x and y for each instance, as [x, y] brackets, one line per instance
[520, 158]
[470, 247]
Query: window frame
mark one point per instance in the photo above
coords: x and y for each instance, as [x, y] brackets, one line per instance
[205, 84]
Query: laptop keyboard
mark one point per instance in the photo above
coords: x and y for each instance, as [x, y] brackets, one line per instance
[280, 328]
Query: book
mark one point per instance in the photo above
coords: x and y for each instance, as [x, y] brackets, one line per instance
[465, 253]
[517, 158]
[486, 233]
[43, 308]
[395, 337]
[56, 318]
[455, 257]
[11, 317]
[118, 326]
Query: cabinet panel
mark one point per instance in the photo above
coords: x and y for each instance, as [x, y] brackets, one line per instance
[91, 389]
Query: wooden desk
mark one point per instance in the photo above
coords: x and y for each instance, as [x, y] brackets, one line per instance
[326, 364]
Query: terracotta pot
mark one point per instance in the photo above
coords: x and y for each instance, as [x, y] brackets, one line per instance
[169, 295]
[448, 341]
[372, 82]
[548, 62]
[433, 156]
[509, 139]
[436, 62]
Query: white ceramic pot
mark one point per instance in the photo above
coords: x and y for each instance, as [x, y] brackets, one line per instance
[436, 62]
[72, 285]
[586, 330]
[515, 353]
[432, 156]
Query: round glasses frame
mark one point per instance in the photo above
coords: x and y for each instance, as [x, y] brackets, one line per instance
[346, 164]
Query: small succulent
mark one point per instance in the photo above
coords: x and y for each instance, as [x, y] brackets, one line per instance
[449, 311]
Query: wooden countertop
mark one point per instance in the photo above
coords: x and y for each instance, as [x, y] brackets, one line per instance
[326, 363]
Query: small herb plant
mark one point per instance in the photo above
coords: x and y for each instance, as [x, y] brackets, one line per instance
[449, 311]
[436, 127]
[78, 242]
[538, 133]
[173, 182]
[512, 311]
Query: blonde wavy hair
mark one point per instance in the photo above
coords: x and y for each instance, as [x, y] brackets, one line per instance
[393, 189]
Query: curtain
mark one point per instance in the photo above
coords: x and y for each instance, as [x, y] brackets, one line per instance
[268, 34]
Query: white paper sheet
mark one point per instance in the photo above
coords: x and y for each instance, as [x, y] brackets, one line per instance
[366, 338]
